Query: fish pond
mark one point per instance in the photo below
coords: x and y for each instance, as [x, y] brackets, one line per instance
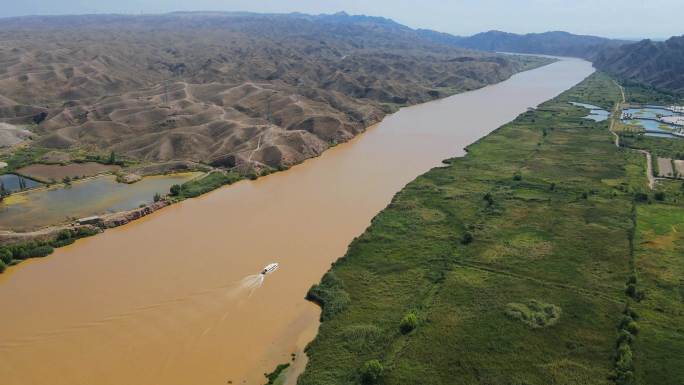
[43, 207]
[12, 182]
[596, 114]
[647, 118]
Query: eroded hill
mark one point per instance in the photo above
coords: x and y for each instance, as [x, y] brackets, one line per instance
[222, 88]
[655, 64]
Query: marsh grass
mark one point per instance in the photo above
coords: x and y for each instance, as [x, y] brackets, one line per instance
[567, 247]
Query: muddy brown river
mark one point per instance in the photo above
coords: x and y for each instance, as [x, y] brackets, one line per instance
[163, 300]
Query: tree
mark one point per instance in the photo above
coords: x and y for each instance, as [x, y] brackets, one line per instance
[175, 190]
[157, 197]
[371, 371]
[67, 180]
[659, 196]
[467, 238]
[408, 323]
[488, 198]
[112, 158]
[5, 256]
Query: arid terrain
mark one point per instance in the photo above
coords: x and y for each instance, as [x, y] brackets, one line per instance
[647, 63]
[222, 88]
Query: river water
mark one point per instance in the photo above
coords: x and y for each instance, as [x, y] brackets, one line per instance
[160, 301]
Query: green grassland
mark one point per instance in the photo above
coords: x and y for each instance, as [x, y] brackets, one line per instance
[658, 147]
[515, 261]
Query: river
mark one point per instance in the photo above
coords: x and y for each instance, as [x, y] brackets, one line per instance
[159, 301]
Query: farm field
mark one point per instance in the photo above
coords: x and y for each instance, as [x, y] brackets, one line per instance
[525, 262]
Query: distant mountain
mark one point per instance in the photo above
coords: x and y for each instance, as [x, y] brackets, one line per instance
[547, 43]
[655, 64]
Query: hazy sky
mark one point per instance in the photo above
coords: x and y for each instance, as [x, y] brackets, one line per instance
[612, 18]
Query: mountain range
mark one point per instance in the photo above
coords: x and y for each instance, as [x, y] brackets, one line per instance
[556, 43]
[656, 64]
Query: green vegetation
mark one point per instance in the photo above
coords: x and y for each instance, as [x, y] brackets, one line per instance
[659, 264]
[643, 94]
[565, 235]
[201, 186]
[658, 147]
[408, 323]
[534, 314]
[13, 254]
[273, 376]
[23, 156]
[371, 372]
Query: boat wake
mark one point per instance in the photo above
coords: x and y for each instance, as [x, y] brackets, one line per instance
[203, 300]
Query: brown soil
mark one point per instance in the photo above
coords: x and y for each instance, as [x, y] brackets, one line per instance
[56, 172]
[212, 87]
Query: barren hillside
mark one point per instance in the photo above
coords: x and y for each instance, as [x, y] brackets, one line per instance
[222, 88]
[655, 64]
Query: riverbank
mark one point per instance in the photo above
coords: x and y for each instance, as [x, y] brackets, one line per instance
[514, 260]
[156, 300]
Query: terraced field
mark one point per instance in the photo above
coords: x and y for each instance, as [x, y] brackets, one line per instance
[525, 262]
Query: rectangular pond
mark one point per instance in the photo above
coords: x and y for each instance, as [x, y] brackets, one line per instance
[596, 114]
[12, 182]
[43, 207]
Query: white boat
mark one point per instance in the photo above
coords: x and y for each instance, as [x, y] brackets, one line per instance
[270, 268]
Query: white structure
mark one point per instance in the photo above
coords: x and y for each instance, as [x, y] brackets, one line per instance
[677, 120]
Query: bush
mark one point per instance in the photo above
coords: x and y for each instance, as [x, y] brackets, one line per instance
[175, 190]
[632, 327]
[641, 197]
[330, 295]
[467, 238]
[517, 177]
[408, 323]
[659, 196]
[40, 251]
[371, 371]
[489, 199]
[156, 197]
[533, 313]
[5, 256]
[2, 266]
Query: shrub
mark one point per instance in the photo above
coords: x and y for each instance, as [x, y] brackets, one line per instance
[156, 197]
[517, 177]
[361, 337]
[535, 314]
[624, 361]
[624, 337]
[371, 371]
[641, 197]
[489, 199]
[408, 323]
[175, 190]
[2, 266]
[467, 238]
[5, 256]
[659, 196]
[330, 295]
[632, 327]
[40, 251]
[273, 376]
